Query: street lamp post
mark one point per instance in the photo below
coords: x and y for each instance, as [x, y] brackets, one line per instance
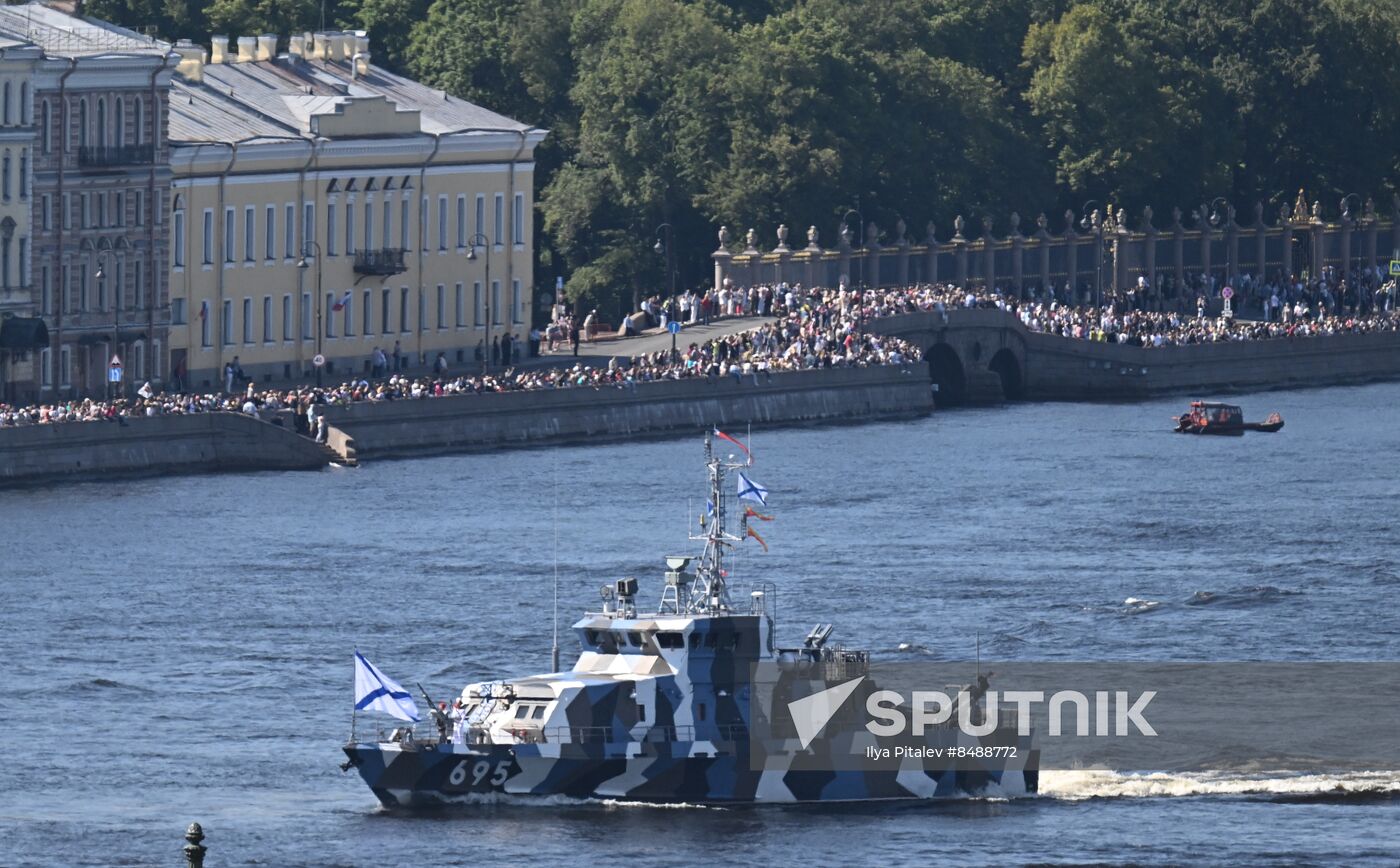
[860, 218]
[660, 248]
[1088, 221]
[320, 329]
[101, 276]
[478, 238]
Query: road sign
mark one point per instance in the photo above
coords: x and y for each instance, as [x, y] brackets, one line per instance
[114, 373]
[1394, 267]
[673, 327]
[559, 283]
[1227, 292]
[318, 360]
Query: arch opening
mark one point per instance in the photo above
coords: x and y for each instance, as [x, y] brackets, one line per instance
[1008, 369]
[946, 371]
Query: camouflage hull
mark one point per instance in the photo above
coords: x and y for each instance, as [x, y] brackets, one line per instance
[429, 776]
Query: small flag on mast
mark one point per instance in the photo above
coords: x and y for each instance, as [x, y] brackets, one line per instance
[723, 436]
[750, 490]
[750, 512]
[376, 691]
[753, 533]
[344, 301]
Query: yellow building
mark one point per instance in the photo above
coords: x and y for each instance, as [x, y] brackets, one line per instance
[321, 203]
[22, 334]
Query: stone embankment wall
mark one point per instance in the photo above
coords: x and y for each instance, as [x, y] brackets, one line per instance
[156, 446]
[527, 418]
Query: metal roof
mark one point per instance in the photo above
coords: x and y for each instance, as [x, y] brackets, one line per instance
[62, 35]
[277, 98]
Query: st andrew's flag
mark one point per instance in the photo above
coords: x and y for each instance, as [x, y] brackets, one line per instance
[378, 692]
[750, 490]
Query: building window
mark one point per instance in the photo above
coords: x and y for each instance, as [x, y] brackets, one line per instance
[403, 224]
[46, 368]
[270, 234]
[349, 228]
[461, 307]
[204, 324]
[441, 306]
[45, 292]
[367, 313]
[139, 108]
[179, 237]
[495, 302]
[247, 320]
[250, 233]
[9, 119]
[461, 221]
[287, 332]
[139, 291]
[82, 124]
[140, 208]
[177, 311]
[65, 367]
[226, 327]
[44, 127]
[330, 229]
[289, 232]
[24, 102]
[208, 236]
[155, 358]
[388, 221]
[101, 138]
[24, 173]
[369, 225]
[85, 214]
[5, 185]
[119, 109]
[403, 309]
[349, 306]
[516, 309]
[442, 223]
[517, 217]
[500, 219]
[267, 319]
[481, 215]
[308, 228]
[228, 234]
[423, 224]
[478, 318]
[422, 310]
[119, 285]
[306, 332]
[384, 324]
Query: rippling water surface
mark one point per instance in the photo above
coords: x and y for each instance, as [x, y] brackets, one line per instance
[180, 649]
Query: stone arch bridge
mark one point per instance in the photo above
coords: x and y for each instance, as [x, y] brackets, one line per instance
[978, 355]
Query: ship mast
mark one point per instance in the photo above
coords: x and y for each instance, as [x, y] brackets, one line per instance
[711, 595]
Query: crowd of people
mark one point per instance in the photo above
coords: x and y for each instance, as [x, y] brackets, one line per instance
[801, 329]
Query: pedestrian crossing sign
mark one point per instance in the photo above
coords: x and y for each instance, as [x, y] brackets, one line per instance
[1395, 267]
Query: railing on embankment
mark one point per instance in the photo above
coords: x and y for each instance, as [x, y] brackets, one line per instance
[987, 351]
[197, 443]
[505, 419]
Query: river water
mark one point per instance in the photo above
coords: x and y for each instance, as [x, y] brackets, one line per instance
[180, 649]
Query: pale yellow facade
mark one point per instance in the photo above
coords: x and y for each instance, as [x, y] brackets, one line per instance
[363, 223]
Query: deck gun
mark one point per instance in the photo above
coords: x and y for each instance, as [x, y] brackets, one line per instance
[438, 717]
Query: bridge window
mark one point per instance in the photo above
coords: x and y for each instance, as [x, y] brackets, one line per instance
[634, 639]
[694, 640]
[538, 713]
[711, 640]
[670, 640]
[522, 712]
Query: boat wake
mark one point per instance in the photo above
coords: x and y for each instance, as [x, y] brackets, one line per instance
[1079, 785]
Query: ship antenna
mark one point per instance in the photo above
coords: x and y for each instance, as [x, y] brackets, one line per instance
[554, 515]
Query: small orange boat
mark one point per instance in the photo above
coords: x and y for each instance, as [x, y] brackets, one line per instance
[1207, 417]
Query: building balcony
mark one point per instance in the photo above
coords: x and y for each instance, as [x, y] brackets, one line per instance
[115, 156]
[380, 262]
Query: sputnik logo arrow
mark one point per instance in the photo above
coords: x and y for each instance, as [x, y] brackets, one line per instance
[811, 714]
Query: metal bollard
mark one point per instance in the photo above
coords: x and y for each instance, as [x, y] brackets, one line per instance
[194, 851]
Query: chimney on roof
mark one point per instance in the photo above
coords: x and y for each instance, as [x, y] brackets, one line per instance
[321, 46]
[296, 45]
[218, 49]
[359, 62]
[267, 46]
[191, 64]
[247, 49]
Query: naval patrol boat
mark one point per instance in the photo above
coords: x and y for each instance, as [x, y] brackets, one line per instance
[693, 703]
